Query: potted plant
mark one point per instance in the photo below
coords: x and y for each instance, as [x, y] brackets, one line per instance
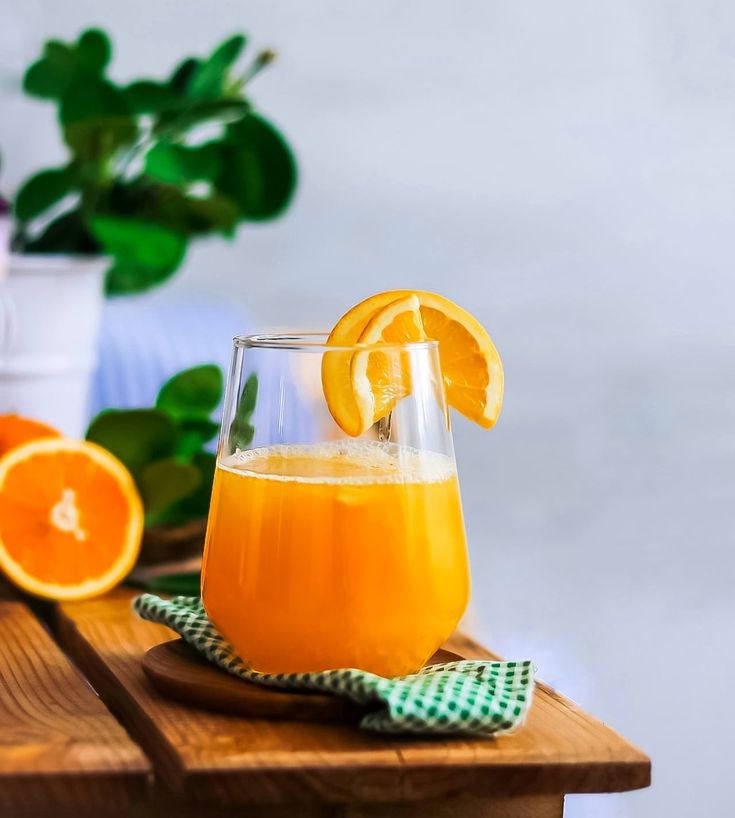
[153, 165]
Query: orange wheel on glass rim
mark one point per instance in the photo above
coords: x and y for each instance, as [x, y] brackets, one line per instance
[471, 367]
[379, 380]
[71, 520]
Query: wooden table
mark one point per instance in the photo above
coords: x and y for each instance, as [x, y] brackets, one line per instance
[81, 731]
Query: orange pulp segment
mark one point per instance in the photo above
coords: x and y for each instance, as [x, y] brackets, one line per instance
[381, 379]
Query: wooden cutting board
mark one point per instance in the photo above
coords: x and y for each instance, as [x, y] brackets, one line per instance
[179, 672]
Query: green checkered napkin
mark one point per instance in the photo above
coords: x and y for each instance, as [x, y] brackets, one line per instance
[470, 696]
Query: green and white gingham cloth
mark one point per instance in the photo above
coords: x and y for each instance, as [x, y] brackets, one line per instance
[469, 696]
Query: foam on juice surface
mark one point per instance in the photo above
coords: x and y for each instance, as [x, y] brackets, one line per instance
[343, 461]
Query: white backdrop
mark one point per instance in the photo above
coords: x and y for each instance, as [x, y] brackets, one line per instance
[566, 171]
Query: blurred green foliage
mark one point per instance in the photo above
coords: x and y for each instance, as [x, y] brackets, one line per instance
[152, 164]
[165, 447]
[185, 583]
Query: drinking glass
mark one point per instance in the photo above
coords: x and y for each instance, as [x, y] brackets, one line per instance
[325, 550]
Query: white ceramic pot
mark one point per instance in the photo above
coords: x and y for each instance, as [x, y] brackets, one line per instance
[49, 321]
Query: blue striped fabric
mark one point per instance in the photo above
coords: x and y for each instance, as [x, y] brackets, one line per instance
[144, 340]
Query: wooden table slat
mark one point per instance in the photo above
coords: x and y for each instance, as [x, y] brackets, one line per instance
[58, 742]
[218, 759]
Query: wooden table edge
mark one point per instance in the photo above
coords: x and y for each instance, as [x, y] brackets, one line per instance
[477, 778]
[90, 784]
[164, 760]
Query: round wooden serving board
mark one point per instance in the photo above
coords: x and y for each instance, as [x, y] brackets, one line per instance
[178, 672]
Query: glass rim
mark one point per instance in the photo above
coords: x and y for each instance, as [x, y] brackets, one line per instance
[317, 342]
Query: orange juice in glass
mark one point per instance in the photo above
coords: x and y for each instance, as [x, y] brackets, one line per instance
[327, 551]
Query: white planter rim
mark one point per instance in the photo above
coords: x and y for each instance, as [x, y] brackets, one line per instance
[54, 263]
[20, 366]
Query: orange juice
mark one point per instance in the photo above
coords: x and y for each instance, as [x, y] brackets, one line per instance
[348, 554]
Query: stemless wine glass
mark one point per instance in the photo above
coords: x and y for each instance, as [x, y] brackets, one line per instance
[324, 550]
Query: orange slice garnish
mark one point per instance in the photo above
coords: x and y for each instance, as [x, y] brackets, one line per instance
[470, 364]
[71, 519]
[381, 379]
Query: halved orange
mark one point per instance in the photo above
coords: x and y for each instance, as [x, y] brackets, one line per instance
[380, 379]
[16, 430]
[71, 519]
[471, 367]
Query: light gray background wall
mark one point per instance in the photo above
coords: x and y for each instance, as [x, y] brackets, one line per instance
[567, 171]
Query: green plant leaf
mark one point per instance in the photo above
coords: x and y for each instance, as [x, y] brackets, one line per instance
[184, 583]
[193, 434]
[145, 241]
[41, 80]
[179, 164]
[94, 50]
[248, 397]
[182, 213]
[197, 504]
[147, 96]
[126, 277]
[41, 191]
[52, 75]
[135, 436]
[216, 212]
[241, 429]
[208, 78]
[66, 234]
[192, 394]
[62, 66]
[218, 110]
[61, 57]
[258, 169]
[182, 74]
[145, 253]
[227, 52]
[242, 433]
[166, 482]
[96, 119]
